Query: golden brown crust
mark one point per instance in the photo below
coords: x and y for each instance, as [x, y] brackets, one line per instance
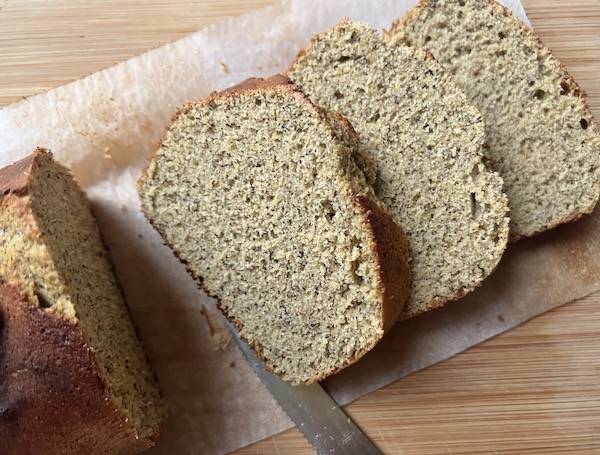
[254, 83]
[275, 82]
[14, 178]
[52, 398]
[390, 248]
[347, 125]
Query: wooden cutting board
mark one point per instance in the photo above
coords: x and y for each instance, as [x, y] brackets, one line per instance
[534, 390]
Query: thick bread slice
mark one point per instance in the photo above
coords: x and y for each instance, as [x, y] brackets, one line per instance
[541, 135]
[256, 190]
[426, 143]
[73, 376]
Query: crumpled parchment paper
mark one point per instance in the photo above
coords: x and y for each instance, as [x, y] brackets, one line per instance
[105, 126]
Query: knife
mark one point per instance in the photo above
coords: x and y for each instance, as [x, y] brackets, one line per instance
[322, 422]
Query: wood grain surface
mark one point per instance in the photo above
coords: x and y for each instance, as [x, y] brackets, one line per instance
[533, 390]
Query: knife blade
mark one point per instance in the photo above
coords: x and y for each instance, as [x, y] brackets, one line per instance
[318, 417]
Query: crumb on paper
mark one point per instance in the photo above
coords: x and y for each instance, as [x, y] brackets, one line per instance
[232, 365]
[500, 318]
[224, 68]
[219, 334]
[140, 236]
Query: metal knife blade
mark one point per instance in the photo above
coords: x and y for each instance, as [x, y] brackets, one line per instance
[322, 422]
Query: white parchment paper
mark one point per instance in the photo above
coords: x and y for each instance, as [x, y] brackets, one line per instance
[105, 126]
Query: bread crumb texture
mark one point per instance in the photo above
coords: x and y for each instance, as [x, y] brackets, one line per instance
[257, 191]
[426, 143]
[51, 248]
[541, 135]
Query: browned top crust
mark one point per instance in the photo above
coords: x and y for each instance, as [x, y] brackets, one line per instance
[15, 178]
[254, 83]
[52, 398]
[250, 84]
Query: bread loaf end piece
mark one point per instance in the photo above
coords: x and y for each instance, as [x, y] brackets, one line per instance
[75, 378]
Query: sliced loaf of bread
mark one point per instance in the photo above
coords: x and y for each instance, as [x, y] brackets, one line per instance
[541, 135]
[426, 143]
[73, 376]
[257, 191]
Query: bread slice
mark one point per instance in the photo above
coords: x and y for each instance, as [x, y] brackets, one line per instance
[541, 135]
[257, 191]
[426, 142]
[73, 376]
